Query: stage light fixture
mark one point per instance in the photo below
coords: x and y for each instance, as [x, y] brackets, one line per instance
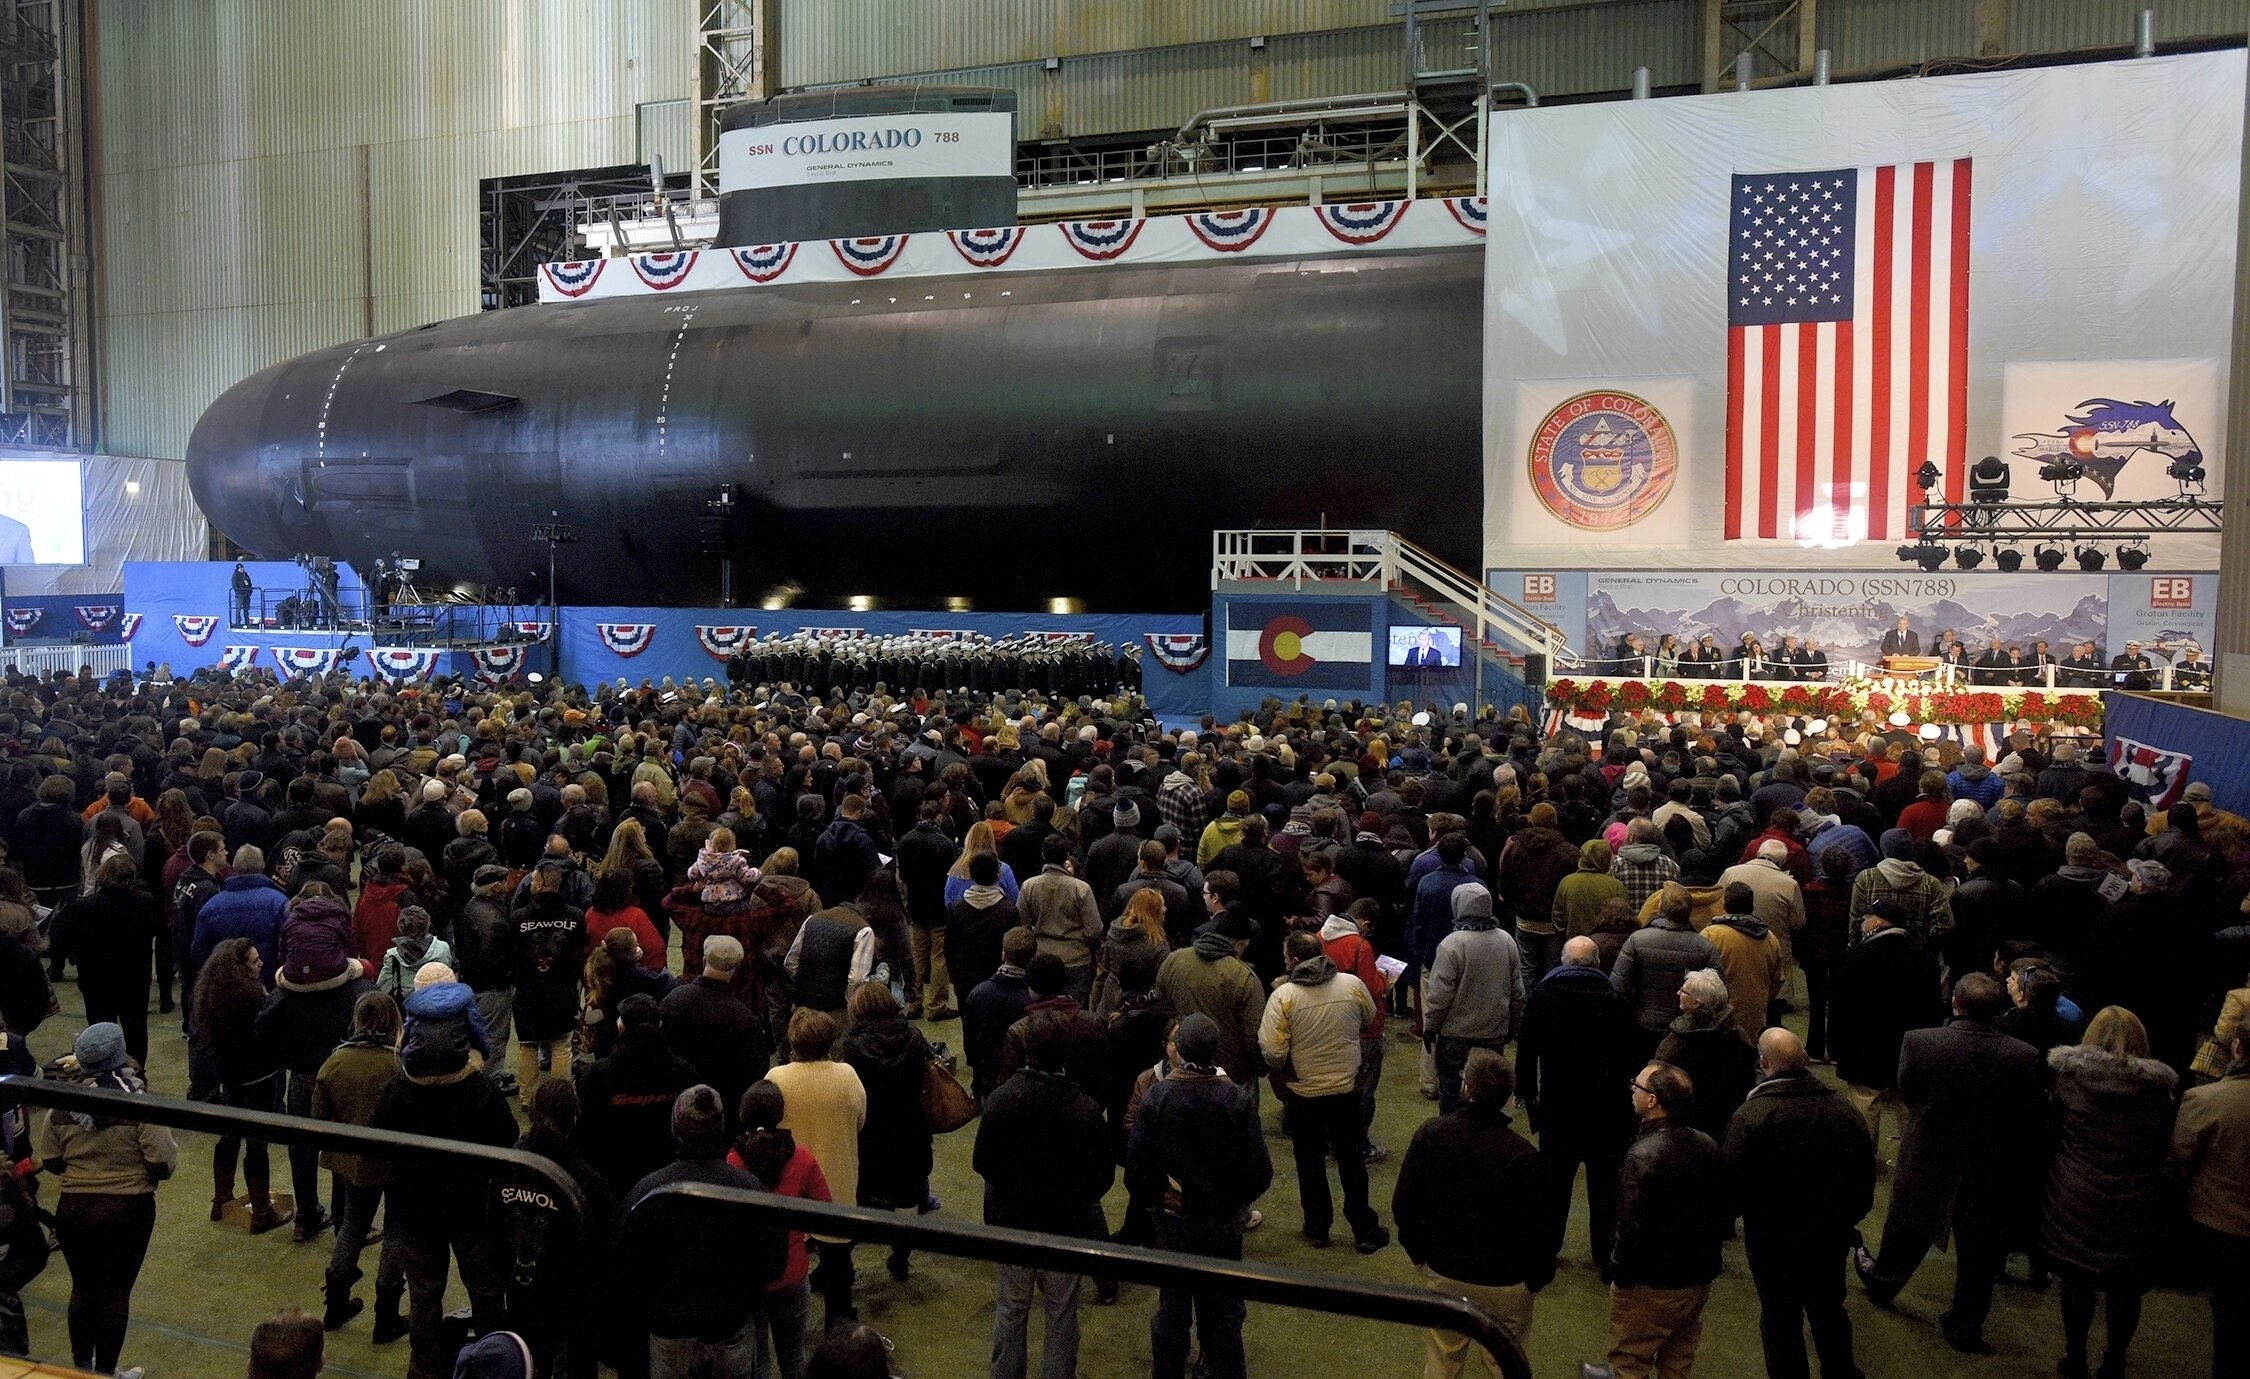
[2187, 472]
[2048, 557]
[1989, 480]
[1967, 557]
[2063, 474]
[2092, 557]
[2008, 558]
[1928, 554]
[1926, 478]
[2131, 557]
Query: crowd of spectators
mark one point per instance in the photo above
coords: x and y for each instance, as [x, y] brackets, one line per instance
[666, 935]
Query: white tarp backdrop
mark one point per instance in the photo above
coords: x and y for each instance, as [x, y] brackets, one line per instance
[135, 510]
[2097, 207]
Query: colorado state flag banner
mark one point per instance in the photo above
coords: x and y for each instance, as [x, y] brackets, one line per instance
[1299, 644]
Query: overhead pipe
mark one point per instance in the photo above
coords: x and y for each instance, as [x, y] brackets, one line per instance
[1308, 104]
[1640, 83]
[2144, 34]
[1820, 67]
[1741, 71]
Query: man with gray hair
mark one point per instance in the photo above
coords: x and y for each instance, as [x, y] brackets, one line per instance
[700, 1270]
[250, 906]
[712, 1027]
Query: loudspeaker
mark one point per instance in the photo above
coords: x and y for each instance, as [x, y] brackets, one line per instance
[1535, 669]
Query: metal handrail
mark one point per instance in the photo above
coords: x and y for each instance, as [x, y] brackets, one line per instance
[295, 1131]
[1473, 594]
[1382, 1302]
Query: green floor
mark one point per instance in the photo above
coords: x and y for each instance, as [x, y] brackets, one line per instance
[206, 1286]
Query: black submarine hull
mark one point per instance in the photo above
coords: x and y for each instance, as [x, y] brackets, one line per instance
[1001, 438]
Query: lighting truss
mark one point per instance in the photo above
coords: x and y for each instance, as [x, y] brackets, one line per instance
[2063, 517]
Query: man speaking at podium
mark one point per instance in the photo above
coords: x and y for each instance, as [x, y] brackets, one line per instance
[1901, 640]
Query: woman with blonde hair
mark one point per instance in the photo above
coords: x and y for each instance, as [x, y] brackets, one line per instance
[630, 853]
[1137, 933]
[978, 839]
[2105, 1214]
[382, 808]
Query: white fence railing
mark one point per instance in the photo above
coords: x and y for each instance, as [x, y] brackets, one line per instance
[46, 660]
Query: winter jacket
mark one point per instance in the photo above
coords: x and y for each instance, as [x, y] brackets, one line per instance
[1925, 903]
[1082, 1036]
[407, 957]
[1642, 869]
[550, 950]
[1776, 898]
[375, 917]
[1579, 897]
[1975, 1125]
[1060, 909]
[1831, 832]
[1803, 1165]
[484, 940]
[1197, 1147]
[1533, 864]
[1672, 1209]
[106, 1158]
[824, 1108]
[1653, 965]
[1432, 918]
[1472, 1199]
[843, 859]
[248, 907]
[44, 846]
[697, 1272]
[1121, 945]
[988, 1012]
[1973, 780]
[1313, 1025]
[434, 1196]
[1578, 1044]
[2106, 1205]
[110, 935]
[304, 1022]
[1219, 835]
[351, 1080]
[2211, 1149]
[1704, 1045]
[714, 1029]
[1474, 990]
[1208, 979]
[925, 855]
[626, 1125]
[1751, 957]
[894, 1144]
[1885, 985]
[1044, 1154]
[1346, 947]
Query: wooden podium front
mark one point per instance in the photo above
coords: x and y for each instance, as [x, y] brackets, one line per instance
[1911, 665]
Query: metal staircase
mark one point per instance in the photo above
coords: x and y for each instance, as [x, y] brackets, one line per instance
[1397, 566]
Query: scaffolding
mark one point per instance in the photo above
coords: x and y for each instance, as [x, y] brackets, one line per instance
[732, 65]
[43, 367]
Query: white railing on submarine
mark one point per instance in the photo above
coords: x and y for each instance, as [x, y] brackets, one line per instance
[1390, 561]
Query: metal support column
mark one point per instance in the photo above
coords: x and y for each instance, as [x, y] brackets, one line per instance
[733, 63]
[2232, 661]
[1779, 37]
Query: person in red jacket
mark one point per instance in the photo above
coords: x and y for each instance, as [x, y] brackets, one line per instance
[787, 1169]
[1343, 938]
[1927, 814]
[375, 918]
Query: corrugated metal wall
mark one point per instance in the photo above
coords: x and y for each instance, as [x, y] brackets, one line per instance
[236, 226]
[278, 176]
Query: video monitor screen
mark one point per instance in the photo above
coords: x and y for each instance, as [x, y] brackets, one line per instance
[1431, 647]
[42, 513]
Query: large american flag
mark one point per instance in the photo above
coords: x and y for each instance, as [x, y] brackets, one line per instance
[1847, 348]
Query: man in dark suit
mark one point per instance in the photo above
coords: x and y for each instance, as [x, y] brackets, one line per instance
[1991, 667]
[1976, 1102]
[1812, 662]
[1902, 640]
[2083, 669]
[1425, 652]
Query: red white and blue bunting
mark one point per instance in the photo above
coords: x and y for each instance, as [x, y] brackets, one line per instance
[1231, 232]
[722, 642]
[1362, 222]
[664, 271]
[195, 628]
[870, 255]
[308, 660]
[762, 263]
[402, 662]
[626, 638]
[1101, 240]
[943, 634]
[571, 279]
[537, 631]
[238, 658]
[1286, 232]
[502, 662]
[1179, 653]
[22, 620]
[987, 248]
[96, 617]
[129, 626]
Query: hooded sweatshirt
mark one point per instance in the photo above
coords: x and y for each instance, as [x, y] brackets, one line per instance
[1475, 988]
[1925, 905]
[1344, 945]
[1580, 896]
[1750, 957]
[1313, 1023]
[495, 1355]
[1208, 979]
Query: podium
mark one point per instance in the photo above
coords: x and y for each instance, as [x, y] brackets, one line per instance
[1911, 665]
